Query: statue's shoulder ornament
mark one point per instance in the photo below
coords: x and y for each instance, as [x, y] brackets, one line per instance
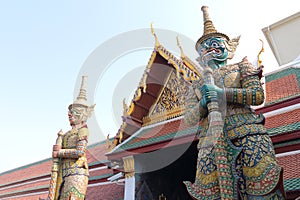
[231, 68]
[228, 76]
[83, 133]
[248, 69]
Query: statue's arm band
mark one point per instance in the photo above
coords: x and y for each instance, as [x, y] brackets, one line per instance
[251, 92]
[77, 152]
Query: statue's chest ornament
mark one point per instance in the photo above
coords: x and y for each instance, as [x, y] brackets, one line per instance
[225, 77]
[70, 138]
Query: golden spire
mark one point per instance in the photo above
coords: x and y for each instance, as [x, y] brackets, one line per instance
[157, 44]
[209, 30]
[259, 61]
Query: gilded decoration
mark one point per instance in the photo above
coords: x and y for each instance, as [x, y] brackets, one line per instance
[109, 144]
[189, 74]
[128, 164]
[188, 62]
[174, 104]
[259, 60]
[171, 100]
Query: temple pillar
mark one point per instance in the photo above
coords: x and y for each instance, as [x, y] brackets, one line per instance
[128, 164]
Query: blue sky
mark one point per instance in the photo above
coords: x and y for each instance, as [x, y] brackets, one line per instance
[44, 44]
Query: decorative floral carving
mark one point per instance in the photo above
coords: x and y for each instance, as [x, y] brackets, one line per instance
[173, 95]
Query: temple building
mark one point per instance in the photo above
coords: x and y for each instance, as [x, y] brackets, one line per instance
[154, 151]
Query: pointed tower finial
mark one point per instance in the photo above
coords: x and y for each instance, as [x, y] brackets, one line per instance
[180, 47]
[208, 24]
[157, 44]
[81, 98]
[209, 30]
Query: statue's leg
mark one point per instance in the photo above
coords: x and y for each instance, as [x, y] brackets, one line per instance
[74, 186]
[260, 172]
[241, 182]
[206, 181]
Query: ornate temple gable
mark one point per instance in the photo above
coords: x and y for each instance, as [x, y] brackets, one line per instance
[150, 88]
[171, 101]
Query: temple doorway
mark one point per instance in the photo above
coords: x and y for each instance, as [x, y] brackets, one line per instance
[166, 181]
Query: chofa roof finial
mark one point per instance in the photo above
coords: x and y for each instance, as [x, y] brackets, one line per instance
[157, 44]
[180, 47]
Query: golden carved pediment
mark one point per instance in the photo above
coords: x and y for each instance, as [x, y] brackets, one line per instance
[171, 101]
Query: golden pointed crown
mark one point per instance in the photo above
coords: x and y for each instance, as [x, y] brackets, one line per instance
[81, 99]
[209, 29]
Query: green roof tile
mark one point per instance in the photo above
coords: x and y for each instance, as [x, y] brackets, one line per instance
[130, 144]
[283, 144]
[284, 129]
[292, 184]
[283, 73]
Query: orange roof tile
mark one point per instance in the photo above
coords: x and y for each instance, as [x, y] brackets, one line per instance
[291, 165]
[35, 197]
[26, 172]
[25, 186]
[283, 119]
[281, 88]
[106, 192]
[96, 152]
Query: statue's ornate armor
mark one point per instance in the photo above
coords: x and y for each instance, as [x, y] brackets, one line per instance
[254, 167]
[73, 165]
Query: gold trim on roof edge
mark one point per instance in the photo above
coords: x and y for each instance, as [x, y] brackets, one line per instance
[143, 83]
[187, 73]
[163, 116]
[121, 132]
[109, 144]
[187, 61]
[142, 86]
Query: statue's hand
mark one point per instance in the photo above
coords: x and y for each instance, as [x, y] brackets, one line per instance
[60, 132]
[54, 154]
[210, 93]
[56, 148]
